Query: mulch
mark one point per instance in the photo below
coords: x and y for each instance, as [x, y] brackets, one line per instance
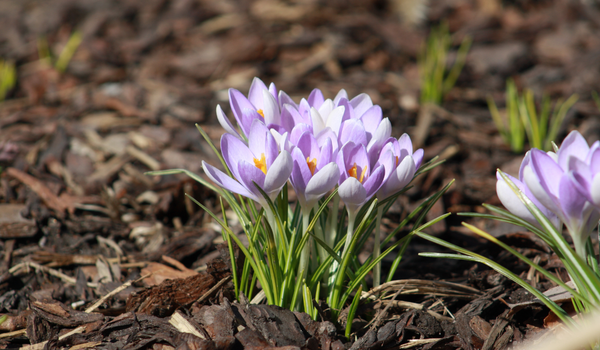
[95, 254]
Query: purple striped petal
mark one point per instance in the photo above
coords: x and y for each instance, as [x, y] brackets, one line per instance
[225, 123]
[221, 179]
[353, 130]
[361, 103]
[243, 110]
[574, 145]
[255, 94]
[316, 99]
[234, 150]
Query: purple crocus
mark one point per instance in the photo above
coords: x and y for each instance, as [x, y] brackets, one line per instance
[257, 162]
[315, 173]
[358, 180]
[512, 202]
[586, 169]
[262, 103]
[552, 182]
[405, 165]
[556, 182]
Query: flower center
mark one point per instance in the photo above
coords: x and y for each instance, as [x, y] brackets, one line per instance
[352, 172]
[312, 164]
[262, 114]
[261, 163]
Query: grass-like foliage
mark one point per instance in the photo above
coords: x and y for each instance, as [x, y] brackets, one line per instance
[62, 61]
[436, 79]
[522, 118]
[8, 78]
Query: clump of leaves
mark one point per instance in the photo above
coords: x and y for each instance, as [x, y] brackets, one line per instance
[521, 118]
[8, 78]
[436, 79]
[62, 61]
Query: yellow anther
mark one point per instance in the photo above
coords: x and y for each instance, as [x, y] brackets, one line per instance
[261, 163]
[262, 114]
[312, 164]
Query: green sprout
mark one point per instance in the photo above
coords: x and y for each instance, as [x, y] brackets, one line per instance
[522, 118]
[62, 62]
[596, 99]
[8, 78]
[436, 81]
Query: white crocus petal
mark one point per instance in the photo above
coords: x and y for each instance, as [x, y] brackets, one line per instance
[322, 182]
[538, 191]
[326, 107]
[278, 174]
[225, 123]
[270, 109]
[277, 136]
[352, 192]
[383, 132]
[595, 190]
[553, 155]
[334, 119]
[512, 202]
[404, 172]
[318, 124]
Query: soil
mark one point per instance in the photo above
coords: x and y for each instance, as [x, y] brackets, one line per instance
[95, 254]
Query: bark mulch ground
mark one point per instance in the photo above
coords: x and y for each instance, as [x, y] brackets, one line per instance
[95, 254]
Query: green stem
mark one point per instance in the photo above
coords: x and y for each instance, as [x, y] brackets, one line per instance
[349, 233]
[340, 276]
[377, 249]
[304, 256]
[332, 225]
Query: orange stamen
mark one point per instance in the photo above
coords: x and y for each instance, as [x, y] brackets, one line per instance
[396, 160]
[261, 163]
[312, 164]
[352, 172]
[262, 114]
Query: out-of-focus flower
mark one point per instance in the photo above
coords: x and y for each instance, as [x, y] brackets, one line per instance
[8, 151]
[557, 183]
[258, 162]
[551, 181]
[405, 165]
[512, 202]
[586, 172]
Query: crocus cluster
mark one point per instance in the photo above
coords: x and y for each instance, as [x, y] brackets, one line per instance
[315, 144]
[564, 185]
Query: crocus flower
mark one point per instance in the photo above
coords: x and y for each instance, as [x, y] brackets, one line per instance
[512, 202]
[358, 180]
[262, 103]
[405, 165]
[586, 172]
[315, 173]
[257, 162]
[552, 179]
